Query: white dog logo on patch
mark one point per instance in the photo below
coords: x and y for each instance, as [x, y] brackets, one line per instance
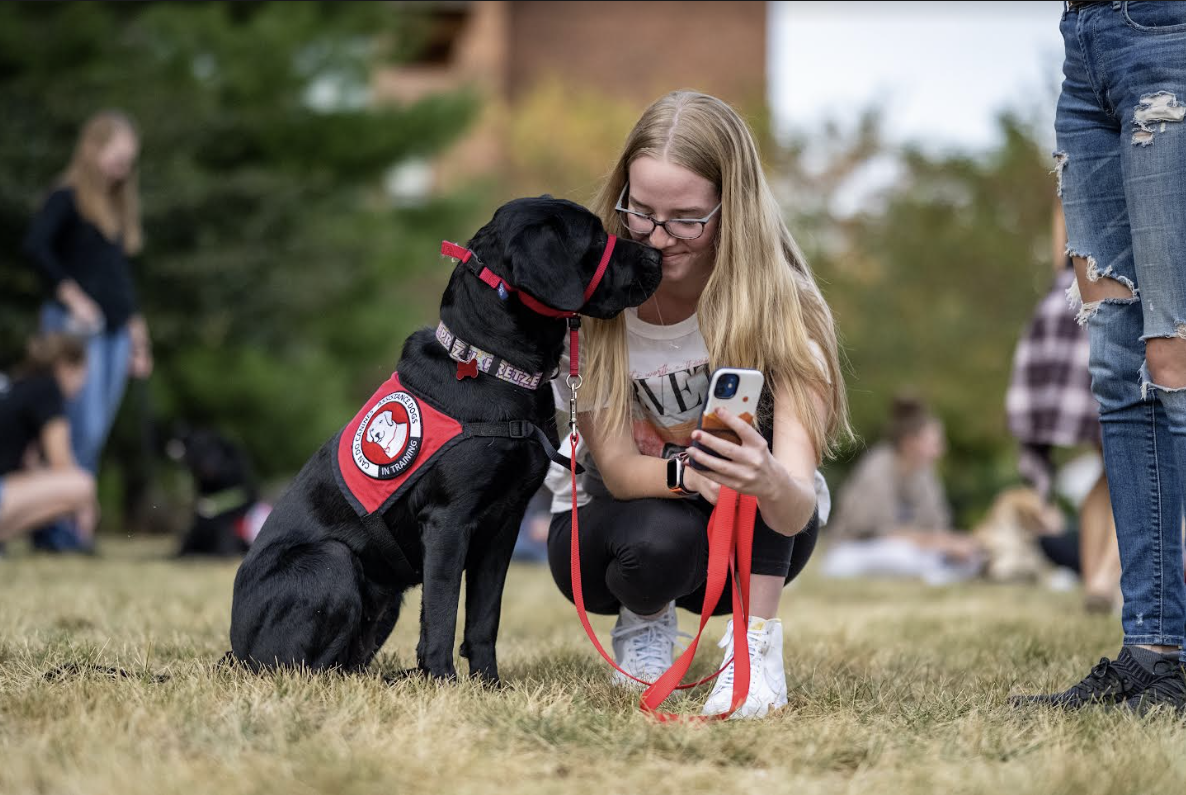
[388, 434]
[388, 438]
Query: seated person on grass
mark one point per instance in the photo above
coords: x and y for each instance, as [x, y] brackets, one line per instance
[892, 517]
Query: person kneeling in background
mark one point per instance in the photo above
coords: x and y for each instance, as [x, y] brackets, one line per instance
[39, 478]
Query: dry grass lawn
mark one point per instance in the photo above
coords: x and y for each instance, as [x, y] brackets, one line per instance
[895, 688]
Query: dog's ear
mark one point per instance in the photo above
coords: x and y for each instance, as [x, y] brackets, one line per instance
[544, 266]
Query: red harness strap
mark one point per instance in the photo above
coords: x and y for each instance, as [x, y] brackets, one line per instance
[730, 545]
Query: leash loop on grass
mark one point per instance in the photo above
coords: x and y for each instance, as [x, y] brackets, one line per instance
[730, 548]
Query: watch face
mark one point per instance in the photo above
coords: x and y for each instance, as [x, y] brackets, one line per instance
[673, 473]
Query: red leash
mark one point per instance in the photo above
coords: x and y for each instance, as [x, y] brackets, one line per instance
[730, 541]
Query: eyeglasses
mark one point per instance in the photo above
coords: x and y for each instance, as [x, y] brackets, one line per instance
[681, 228]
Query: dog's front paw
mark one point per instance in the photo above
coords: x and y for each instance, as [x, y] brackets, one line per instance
[441, 673]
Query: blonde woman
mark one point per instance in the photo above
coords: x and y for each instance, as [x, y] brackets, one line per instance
[735, 292]
[80, 241]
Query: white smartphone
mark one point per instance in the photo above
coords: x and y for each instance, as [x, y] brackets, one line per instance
[736, 389]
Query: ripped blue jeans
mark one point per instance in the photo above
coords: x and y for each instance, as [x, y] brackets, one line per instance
[1122, 178]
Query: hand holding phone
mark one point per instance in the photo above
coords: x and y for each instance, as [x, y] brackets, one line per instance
[737, 390]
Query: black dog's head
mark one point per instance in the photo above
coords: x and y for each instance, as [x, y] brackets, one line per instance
[215, 462]
[550, 249]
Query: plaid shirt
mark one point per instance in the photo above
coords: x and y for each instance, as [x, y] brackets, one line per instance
[1049, 400]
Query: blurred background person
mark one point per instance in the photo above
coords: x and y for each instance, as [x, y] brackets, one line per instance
[39, 477]
[80, 241]
[532, 544]
[892, 516]
[1049, 405]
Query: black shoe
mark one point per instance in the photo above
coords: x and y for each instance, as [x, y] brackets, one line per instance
[1110, 682]
[1166, 689]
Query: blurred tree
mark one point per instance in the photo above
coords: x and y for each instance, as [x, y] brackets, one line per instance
[932, 279]
[278, 279]
[564, 140]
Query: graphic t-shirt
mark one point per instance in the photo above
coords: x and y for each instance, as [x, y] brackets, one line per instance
[669, 383]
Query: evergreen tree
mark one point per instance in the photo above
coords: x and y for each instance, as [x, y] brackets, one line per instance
[277, 278]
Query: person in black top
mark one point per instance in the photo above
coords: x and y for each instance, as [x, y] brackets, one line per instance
[80, 241]
[39, 478]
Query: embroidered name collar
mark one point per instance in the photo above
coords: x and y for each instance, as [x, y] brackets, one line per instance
[492, 364]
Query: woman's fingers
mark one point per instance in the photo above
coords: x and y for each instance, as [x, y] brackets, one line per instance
[747, 433]
[717, 444]
[718, 469]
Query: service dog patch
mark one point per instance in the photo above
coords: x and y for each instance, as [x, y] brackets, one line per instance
[389, 441]
[388, 438]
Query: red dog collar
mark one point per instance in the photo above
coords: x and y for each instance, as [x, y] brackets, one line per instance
[505, 288]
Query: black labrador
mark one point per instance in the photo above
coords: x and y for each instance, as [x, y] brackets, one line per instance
[225, 492]
[321, 587]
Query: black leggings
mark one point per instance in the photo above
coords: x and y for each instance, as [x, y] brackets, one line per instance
[646, 553]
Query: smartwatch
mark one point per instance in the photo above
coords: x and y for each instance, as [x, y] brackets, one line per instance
[675, 475]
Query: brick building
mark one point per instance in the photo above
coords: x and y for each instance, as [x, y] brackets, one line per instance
[561, 82]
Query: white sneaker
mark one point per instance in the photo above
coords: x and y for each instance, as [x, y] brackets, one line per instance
[644, 647]
[767, 681]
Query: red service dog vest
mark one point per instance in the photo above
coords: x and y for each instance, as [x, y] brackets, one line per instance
[388, 444]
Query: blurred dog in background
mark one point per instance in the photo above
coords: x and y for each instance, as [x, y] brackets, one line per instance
[227, 513]
[1010, 532]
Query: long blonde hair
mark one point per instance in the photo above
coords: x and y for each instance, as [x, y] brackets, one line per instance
[761, 307]
[114, 210]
